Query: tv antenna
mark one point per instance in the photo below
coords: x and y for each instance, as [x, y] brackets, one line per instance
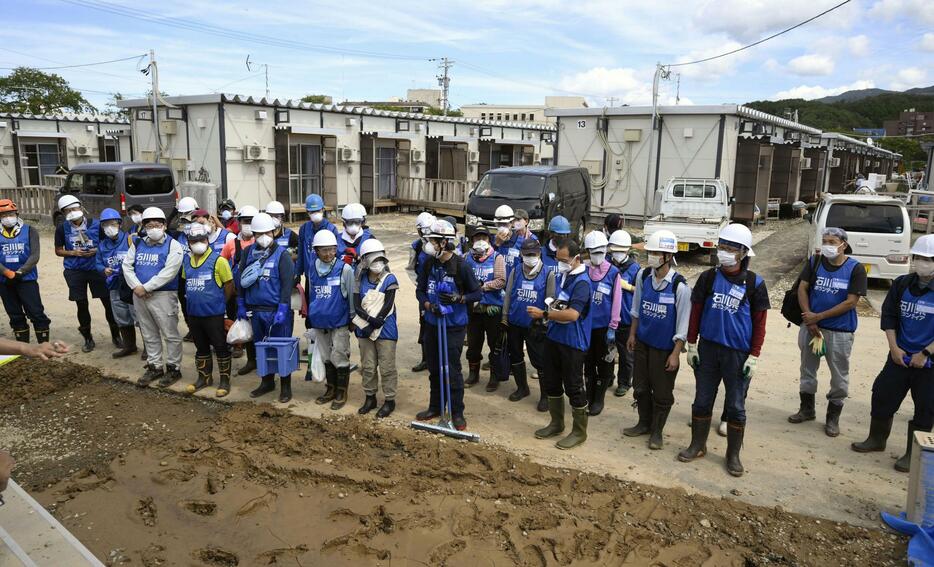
[251, 66]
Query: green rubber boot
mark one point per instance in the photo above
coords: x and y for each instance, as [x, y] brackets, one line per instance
[578, 432]
[556, 425]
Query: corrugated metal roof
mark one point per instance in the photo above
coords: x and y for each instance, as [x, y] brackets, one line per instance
[102, 118]
[858, 143]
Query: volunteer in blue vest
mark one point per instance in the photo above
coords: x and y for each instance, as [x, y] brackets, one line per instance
[558, 229]
[227, 213]
[828, 324]
[317, 220]
[661, 311]
[448, 270]
[908, 322]
[512, 229]
[486, 315]
[208, 284]
[151, 270]
[218, 236]
[284, 236]
[374, 321]
[264, 292]
[729, 308]
[134, 221]
[180, 220]
[605, 283]
[233, 252]
[353, 234]
[19, 288]
[76, 240]
[112, 250]
[527, 286]
[417, 260]
[329, 285]
[620, 246]
[567, 340]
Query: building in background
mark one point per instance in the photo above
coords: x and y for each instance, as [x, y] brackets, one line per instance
[35, 146]
[431, 97]
[393, 103]
[910, 123]
[522, 112]
[870, 132]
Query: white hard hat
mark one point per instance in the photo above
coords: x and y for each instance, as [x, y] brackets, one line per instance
[186, 205]
[595, 240]
[153, 213]
[198, 229]
[620, 241]
[262, 222]
[662, 241]
[247, 212]
[424, 220]
[442, 229]
[67, 201]
[504, 213]
[353, 211]
[274, 208]
[371, 246]
[323, 238]
[740, 234]
[924, 246]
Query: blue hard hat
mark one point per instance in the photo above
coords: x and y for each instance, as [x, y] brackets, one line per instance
[559, 225]
[110, 214]
[314, 203]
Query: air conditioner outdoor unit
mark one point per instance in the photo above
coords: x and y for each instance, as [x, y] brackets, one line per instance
[255, 152]
[473, 157]
[348, 154]
[418, 156]
[169, 127]
[402, 157]
[83, 151]
[835, 162]
[806, 163]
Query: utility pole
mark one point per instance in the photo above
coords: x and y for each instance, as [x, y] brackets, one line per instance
[153, 71]
[265, 66]
[678, 91]
[612, 100]
[661, 72]
[444, 81]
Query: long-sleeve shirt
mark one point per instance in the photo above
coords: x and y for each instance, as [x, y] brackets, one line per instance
[285, 268]
[529, 274]
[389, 297]
[464, 279]
[596, 274]
[499, 272]
[758, 306]
[173, 264]
[682, 301]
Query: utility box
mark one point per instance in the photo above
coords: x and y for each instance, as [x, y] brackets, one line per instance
[632, 135]
[204, 193]
[920, 506]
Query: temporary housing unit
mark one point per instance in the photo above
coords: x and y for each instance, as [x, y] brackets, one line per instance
[630, 156]
[34, 146]
[257, 150]
[848, 157]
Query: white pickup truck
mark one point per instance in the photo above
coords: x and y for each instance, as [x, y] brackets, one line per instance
[695, 210]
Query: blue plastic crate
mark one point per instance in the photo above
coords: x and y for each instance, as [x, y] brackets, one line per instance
[277, 355]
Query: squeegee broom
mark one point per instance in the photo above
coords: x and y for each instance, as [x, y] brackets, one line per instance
[444, 425]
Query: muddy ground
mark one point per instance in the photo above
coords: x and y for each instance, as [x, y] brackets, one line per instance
[149, 478]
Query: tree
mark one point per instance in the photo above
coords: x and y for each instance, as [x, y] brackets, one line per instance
[111, 109]
[317, 99]
[910, 148]
[32, 91]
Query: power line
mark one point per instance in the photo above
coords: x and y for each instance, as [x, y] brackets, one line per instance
[763, 40]
[90, 70]
[81, 64]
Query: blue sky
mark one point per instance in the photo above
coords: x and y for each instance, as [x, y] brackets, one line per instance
[514, 51]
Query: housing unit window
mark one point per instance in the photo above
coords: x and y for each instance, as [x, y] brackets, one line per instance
[499, 116]
[39, 160]
[304, 172]
[523, 117]
[386, 173]
[531, 117]
[483, 116]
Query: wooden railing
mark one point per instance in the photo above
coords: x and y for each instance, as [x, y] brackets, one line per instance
[35, 202]
[436, 194]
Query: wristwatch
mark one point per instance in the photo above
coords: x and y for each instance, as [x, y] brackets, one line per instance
[927, 353]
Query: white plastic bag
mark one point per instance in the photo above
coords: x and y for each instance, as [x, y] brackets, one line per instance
[240, 332]
[315, 356]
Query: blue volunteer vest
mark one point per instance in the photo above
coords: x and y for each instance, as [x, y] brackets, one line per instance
[182, 239]
[149, 261]
[343, 245]
[73, 242]
[112, 253]
[390, 330]
[629, 275]
[727, 317]
[436, 275]
[525, 293]
[15, 251]
[329, 307]
[831, 289]
[283, 239]
[483, 271]
[601, 304]
[577, 334]
[219, 242]
[265, 292]
[420, 256]
[549, 260]
[916, 323]
[202, 294]
[658, 314]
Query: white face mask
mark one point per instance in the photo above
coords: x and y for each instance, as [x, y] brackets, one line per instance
[226, 215]
[563, 267]
[184, 227]
[530, 261]
[155, 233]
[829, 251]
[519, 225]
[655, 260]
[74, 216]
[264, 241]
[429, 248]
[377, 266]
[9, 222]
[316, 217]
[110, 230]
[726, 259]
[352, 229]
[199, 248]
[246, 231]
[597, 258]
[923, 267]
[136, 218]
[480, 247]
[620, 257]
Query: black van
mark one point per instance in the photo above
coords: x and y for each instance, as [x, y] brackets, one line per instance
[119, 185]
[543, 191]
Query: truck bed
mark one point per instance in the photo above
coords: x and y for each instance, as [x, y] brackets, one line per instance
[691, 232]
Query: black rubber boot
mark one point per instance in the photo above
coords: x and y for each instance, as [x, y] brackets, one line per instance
[473, 374]
[879, 429]
[21, 335]
[386, 409]
[285, 389]
[700, 429]
[42, 336]
[369, 404]
[115, 336]
[223, 370]
[598, 396]
[205, 367]
[522, 382]
[152, 373]
[644, 406]
[89, 343]
[250, 365]
[659, 417]
[578, 432]
[493, 384]
[427, 414]
[420, 367]
[806, 412]
[330, 377]
[172, 375]
[236, 351]
[267, 384]
[128, 335]
[542, 399]
[342, 383]
[832, 425]
[903, 464]
[556, 425]
[734, 442]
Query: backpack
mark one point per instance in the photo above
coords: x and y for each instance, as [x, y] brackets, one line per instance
[676, 281]
[791, 309]
[750, 285]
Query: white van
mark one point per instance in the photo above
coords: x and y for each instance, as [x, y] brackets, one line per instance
[878, 228]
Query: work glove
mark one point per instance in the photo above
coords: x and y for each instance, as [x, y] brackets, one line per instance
[282, 313]
[493, 310]
[749, 369]
[818, 347]
[435, 309]
[693, 357]
[366, 331]
[610, 336]
[376, 322]
[241, 308]
[451, 298]
[627, 286]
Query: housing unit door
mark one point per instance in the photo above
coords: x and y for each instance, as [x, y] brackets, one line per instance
[386, 173]
[304, 172]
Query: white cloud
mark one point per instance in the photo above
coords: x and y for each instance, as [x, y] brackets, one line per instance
[889, 10]
[809, 92]
[927, 42]
[859, 45]
[811, 65]
[711, 71]
[908, 78]
[752, 19]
